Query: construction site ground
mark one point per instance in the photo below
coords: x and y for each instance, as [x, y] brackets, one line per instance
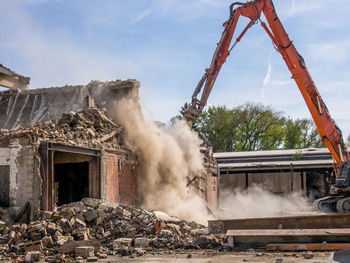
[214, 256]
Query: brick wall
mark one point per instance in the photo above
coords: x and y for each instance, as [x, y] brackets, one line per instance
[122, 180]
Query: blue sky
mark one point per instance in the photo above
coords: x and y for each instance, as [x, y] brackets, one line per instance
[167, 44]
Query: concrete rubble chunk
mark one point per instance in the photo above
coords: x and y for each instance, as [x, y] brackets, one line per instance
[197, 232]
[47, 214]
[78, 206]
[92, 202]
[47, 241]
[165, 217]
[141, 242]
[79, 223]
[2, 225]
[90, 215]
[121, 242]
[85, 251]
[33, 256]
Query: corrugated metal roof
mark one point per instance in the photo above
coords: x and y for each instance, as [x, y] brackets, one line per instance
[309, 151]
[275, 159]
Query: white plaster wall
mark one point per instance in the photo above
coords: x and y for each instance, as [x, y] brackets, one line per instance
[8, 156]
[19, 156]
[25, 176]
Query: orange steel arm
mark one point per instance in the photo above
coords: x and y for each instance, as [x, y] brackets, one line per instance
[329, 131]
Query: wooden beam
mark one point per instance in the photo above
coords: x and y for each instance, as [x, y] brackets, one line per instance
[259, 238]
[284, 222]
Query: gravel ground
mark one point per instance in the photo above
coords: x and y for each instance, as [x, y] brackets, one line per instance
[210, 256]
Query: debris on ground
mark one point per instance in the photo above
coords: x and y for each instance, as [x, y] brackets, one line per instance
[94, 228]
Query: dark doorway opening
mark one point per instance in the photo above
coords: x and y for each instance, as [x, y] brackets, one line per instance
[71, 182]
[69, 174]
[5, 186]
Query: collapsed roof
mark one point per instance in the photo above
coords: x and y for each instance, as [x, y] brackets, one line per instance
[27, 108]
[12, 80]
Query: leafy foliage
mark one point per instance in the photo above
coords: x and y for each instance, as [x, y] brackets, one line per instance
[252, 127]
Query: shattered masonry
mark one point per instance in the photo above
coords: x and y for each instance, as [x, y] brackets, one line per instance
[47, 131]
[94, 227]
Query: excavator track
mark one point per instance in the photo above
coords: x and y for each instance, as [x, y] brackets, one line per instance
[333, 204]
[343, 205]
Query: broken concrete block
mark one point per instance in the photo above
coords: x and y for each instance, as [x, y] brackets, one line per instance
[200, 231]
[47, 241]
[69, 246]
[32, 256]
[90, 215]
[5, 231]
[12, 235]
[16, 227]
[141, 242]
[2, 225]
[78, 206]
[35, 236]
[92, 259]
[35, 227]
[33, 246]
[121, 242]
[43, 232]
[93, 202]
[61, 240]
[79, 223]
[85, 251]
[47, 214]
[68, 212]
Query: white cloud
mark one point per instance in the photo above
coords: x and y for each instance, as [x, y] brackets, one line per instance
[331, 52]
[266, 81]
[142, 15]
[55, 58]
[267, 78]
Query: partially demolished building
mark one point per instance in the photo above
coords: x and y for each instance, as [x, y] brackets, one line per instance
[58, 146]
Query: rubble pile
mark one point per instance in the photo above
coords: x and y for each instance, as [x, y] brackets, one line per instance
[86, 128]
[94, 228]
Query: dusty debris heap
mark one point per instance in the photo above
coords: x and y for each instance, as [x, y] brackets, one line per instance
[97, 228]
[88, 127]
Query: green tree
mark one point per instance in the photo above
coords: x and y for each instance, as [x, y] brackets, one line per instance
[252, 127]
[301, 133]
[218, 126]
[260, 128]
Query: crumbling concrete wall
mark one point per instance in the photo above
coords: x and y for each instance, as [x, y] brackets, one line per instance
[18, 155]
[28, 107]
[12, 80]
[212, 190]
[206, 184]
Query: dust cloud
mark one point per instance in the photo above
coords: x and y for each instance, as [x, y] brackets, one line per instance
[167, 156]
[258, 202]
